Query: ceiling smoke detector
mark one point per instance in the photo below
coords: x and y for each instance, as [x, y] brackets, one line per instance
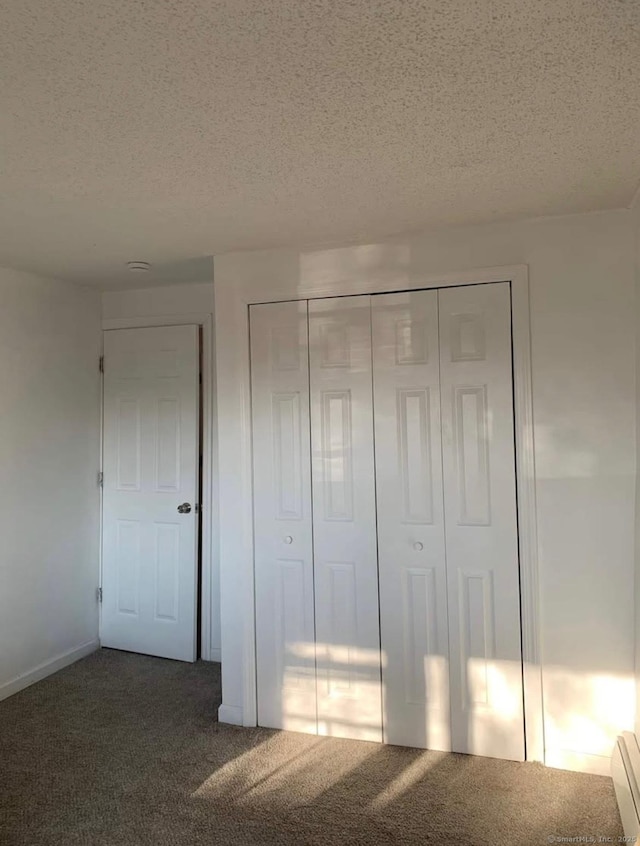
[139, 266]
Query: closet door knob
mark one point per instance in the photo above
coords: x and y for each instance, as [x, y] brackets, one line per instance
[418, 546]
[288, 539]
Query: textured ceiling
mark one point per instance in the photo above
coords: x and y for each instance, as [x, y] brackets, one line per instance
[168, 131]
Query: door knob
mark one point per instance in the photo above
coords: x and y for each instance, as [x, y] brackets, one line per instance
[288, 539]
[418, 546]
[185, 508]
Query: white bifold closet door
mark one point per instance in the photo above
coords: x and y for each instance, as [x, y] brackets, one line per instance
[285, 636]
[411, 538]
[344, 519]
[384, 452]
[481, 535]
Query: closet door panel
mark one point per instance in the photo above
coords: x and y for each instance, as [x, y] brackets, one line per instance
[411, 548]
[480, 518]
[344, 519]
[285, 639]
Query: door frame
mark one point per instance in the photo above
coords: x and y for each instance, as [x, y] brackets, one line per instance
[351, 274]
[207, 595]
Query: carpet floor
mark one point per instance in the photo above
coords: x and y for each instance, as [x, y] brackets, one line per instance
[125, 750]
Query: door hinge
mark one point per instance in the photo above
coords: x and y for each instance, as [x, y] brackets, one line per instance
[100, 478]
[99, 594]
[101, 364]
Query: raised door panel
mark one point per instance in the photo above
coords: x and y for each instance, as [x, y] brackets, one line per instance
[336, 444]
[168, 438]
[151, 422]
[344, 519]
[167, 571]
[127, 443]
[127, 560]
[287, 446]
[282, 517]
[413, 587]
[480, 517]
[471, 422]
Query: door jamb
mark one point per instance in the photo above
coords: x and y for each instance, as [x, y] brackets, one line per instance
[236, 536]
[207, 598]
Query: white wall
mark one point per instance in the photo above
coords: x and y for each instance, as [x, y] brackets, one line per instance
[194, 298]
[191, 300]
[581, 272]
[49, 457]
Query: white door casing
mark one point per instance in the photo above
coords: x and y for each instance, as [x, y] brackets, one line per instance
[480, 519]
[285, 638]
[344, 519]
[150, 464]
[344, 272]
[411, 547]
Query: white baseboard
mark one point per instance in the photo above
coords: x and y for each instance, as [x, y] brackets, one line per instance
[230, 714]
[579, 762]
[625, 771]
[47, 668]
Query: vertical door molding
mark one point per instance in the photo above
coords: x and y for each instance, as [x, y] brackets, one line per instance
[291, 275]
[527, 517]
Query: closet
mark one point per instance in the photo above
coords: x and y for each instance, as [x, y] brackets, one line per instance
[386, 547]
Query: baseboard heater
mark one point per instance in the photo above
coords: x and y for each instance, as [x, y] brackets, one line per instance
[625, 771]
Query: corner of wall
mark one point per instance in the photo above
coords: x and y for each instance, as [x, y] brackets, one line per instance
[635, 217]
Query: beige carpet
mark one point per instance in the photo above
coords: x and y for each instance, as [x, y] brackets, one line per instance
[124, 749]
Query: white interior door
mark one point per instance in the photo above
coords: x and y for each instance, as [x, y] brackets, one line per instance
[149, 576]
[480, 517]
[344, 519]
[411, 547]
[285, 637]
